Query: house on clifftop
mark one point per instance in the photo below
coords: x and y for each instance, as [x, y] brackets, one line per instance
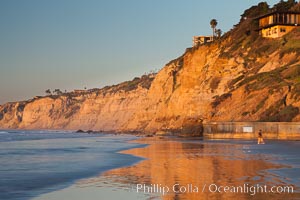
[199, 40]
[276, 24]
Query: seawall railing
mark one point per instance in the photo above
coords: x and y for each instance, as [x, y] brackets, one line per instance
[272, 130]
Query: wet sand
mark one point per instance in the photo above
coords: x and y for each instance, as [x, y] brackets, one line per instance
[178, 168]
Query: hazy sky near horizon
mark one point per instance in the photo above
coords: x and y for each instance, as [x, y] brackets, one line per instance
[72, 44]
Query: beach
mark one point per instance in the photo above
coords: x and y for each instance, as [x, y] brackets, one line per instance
[150, 100]
[185, 168]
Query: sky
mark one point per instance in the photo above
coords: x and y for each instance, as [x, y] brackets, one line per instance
[73, 44]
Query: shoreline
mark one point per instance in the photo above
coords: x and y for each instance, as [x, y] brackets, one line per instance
[206, 136]
[188, 163]
[83, 187]
[39, 162]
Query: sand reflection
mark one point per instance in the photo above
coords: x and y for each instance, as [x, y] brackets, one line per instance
[194, 166]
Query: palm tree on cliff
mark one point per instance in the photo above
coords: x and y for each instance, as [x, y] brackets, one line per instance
[213, 24]
[219, 33]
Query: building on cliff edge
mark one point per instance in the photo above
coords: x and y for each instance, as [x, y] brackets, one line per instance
[199, 40]
[276, 24]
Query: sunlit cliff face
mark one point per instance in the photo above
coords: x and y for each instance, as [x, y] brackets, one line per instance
[193, 169]
[236, 79]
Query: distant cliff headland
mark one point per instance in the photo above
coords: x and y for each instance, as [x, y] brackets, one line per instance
[241, 76]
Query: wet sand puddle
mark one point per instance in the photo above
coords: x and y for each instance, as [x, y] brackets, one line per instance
[188, 169]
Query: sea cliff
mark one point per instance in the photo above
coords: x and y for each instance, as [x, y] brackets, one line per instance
[238, 77]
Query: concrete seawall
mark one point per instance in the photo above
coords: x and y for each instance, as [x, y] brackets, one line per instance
[249, 130]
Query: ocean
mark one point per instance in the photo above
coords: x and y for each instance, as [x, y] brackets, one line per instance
[38, 162]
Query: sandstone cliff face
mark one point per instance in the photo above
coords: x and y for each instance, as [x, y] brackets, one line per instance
[241, 77]
[86, 111]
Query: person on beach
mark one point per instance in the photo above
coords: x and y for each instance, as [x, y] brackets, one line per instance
[260, 139]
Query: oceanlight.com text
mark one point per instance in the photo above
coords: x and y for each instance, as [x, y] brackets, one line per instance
[248, 189]
[212, 188]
